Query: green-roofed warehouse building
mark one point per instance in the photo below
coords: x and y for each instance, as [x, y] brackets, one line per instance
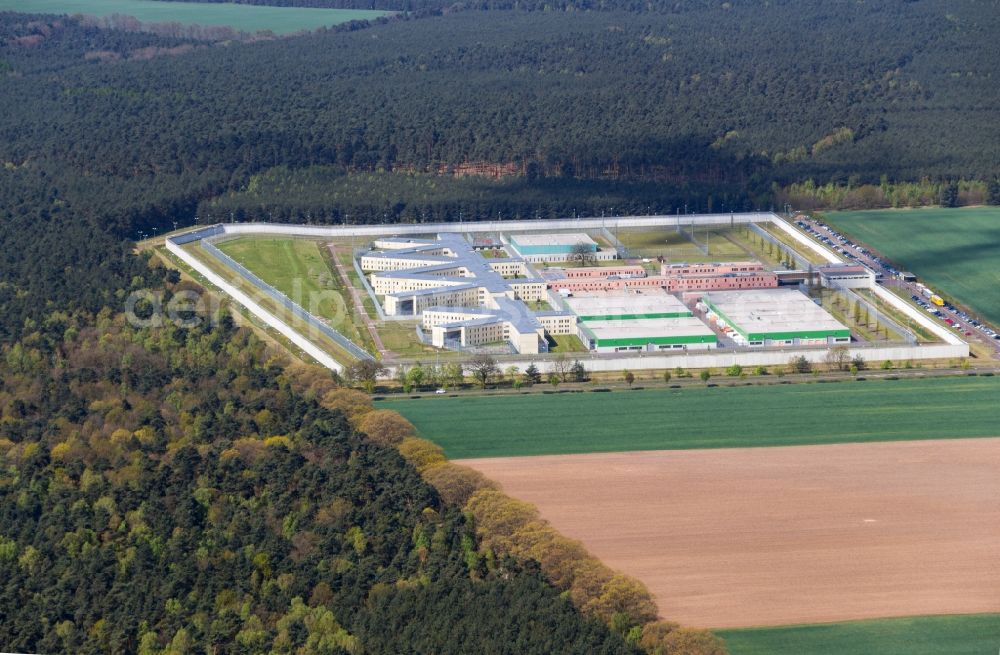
[774, 317]
[651, 321]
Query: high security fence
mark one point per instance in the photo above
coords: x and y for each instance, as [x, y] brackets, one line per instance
[285, 301]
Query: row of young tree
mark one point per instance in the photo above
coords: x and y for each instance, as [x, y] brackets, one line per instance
[482, 369]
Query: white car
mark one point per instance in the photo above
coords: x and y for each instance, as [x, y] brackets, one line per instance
[440, 391]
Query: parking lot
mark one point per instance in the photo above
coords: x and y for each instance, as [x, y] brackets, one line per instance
[959, 319]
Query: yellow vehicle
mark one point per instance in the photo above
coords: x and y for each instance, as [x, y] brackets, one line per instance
[937, 300]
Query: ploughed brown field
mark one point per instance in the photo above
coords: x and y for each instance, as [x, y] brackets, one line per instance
[773, 536]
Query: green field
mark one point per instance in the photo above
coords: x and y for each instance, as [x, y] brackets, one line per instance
[976, 634]
[953, 251]
[678, 248]
[246, 18]
[697, 417]
[297, 268]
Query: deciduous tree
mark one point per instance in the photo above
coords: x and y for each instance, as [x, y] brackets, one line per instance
[483, 368]
[385, 426]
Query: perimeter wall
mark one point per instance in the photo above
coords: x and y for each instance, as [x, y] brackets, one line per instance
[953, 348]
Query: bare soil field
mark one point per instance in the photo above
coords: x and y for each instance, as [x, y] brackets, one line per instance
[775, 536]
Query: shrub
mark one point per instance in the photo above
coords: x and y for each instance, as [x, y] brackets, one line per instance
[800, 365]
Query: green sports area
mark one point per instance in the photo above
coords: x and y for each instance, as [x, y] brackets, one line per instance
[706, 417]
[241, 17]
[972, 634]
[953, 251]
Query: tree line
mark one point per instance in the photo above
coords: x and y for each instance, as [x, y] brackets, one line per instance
[509, 527]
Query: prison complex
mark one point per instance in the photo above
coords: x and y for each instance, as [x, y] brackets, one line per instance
[463, 299]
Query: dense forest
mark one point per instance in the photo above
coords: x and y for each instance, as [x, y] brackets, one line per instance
[172, 490]
[330, 194]
[437, 6]
[714, 100]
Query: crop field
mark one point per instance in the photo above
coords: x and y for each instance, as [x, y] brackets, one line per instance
[953, 251]
[719, 417]
[296, 268]
[976, 634]
[749, 537]
[246, 18]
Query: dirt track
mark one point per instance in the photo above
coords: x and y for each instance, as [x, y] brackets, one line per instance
[771, 536]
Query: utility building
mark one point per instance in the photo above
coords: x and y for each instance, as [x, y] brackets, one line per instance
[650, 321]
[773, 317]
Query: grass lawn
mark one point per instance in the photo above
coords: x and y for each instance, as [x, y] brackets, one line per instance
[976, 634]
[953, 251]
[247, 18]
[297, 268]
[808, 254]
[566, 343]
[400, 337]
[266, 302]
[678, 248]
[718, 417]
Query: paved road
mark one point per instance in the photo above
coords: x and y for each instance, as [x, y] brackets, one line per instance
[864, 254]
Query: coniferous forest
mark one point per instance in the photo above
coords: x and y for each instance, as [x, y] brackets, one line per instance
[177, 489]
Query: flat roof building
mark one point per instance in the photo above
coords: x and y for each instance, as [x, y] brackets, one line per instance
[647, 334]
[718, 268]
[649, 321]
[673, 283]
[541, 244]
[846, 276]
[557, 247]
[600, 272]
[773, 317]
[647, 305]
[463, 298]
